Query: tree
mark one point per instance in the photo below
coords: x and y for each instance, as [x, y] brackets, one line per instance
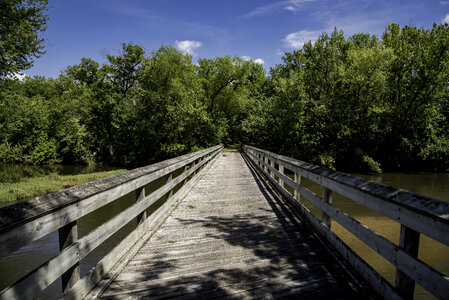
[171, 115]
[226, 84]
[417, 81]
[27, 130]
[124, 70]
[21, 21]
[86, 72]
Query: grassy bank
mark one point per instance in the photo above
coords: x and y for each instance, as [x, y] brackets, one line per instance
[36, 186]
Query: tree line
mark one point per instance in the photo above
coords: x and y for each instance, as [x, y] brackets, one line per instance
[353, 103]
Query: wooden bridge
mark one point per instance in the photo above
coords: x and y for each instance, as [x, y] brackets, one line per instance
[226, 225]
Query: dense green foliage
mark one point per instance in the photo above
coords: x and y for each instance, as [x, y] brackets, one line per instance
[358, 103]
[361, 103]
[20, 24]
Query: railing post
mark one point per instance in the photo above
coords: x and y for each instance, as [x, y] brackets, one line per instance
[140, 195]
[272, 165]
[193, 166]
[409, 242]
[298, 181]
[168, 179]
[185, 179]
[68, 235]
[198, 162]
[265, 159]
[281, 170]
[327, 197]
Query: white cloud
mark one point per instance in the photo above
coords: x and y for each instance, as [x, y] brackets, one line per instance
[446, 19]
[352, 23]
[444, 2]
[291, 5]
[19, 76]
[294, 5]
[297, 39]
[188, 46]
[259, 61]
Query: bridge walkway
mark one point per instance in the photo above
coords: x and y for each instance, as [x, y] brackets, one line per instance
[231, 237]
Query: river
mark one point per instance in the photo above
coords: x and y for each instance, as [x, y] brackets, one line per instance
[432, 184]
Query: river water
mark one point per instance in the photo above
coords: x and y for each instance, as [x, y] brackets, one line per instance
[432, 184]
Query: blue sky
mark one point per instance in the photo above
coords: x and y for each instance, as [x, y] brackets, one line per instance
[261, 30]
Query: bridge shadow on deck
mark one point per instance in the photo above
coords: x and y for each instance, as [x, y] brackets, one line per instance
[285, 261]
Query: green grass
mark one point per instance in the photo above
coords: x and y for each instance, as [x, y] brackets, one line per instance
[36, 186]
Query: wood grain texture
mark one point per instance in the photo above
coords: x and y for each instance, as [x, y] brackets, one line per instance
[232, 237]
[382, 286]
[115, 260]
[27, 221]
[73, 250]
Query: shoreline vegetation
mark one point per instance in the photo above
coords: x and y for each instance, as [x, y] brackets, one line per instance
[11, 192]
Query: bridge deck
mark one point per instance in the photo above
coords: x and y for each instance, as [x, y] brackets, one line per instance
[232, 237]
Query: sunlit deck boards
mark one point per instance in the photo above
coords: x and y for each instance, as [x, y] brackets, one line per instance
[231, 237]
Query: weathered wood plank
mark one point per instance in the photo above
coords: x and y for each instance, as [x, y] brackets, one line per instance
[375, 279]
[421, 213]
[297, 180]
[68, 235]
[211, 248]
[207, 263]
[327, 197]
[191, 288]
[281, 171]
[431, 279]
[269, 247]
[36, 281]
[402, 258]
[140, 195]
[72, 250]
[103, 232]
[409, 242]
[130, 244]
[14, 215]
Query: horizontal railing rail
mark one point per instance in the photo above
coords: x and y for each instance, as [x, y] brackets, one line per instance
[25, 222]
[416, 213]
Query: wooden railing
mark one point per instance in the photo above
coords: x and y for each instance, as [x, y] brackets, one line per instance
[417, 215]
[25, 222]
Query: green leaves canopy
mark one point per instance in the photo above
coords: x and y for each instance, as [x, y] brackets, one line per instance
[358, 103]
[20, 24]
